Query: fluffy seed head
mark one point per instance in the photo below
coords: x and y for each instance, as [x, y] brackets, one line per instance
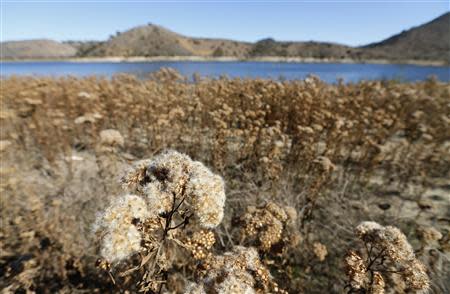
[119, 236]
[233, 285]
[158, 198]
[237, 271]
[396, 244]
[366, 228]
[207, 192]
[172, 173]
[416, 276]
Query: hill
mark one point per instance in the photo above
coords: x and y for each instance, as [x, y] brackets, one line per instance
[430, 41]
[270, 47]
[153, 40]
[36, 49]
[83, 47]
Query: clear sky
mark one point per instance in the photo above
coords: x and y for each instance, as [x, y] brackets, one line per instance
[349, 22]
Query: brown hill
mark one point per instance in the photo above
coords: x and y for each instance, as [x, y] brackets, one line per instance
[152, 40]
[430, 41]
[142, 41]
[270, 47]
[36, 49]
[83, 47]
[426, 42]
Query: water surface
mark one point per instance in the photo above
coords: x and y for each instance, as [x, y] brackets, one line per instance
[329, 72]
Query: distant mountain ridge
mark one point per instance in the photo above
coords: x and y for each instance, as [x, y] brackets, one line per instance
[36, 49]
[427, 42]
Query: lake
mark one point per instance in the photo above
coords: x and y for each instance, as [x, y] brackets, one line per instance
[328, 72]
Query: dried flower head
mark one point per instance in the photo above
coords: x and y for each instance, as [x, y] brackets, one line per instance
[356, 270]
[325, 163]
[111, 137]
[395, 244]
[366, 228]
[158, 198]
[430, 234]
[267, 225]
[416, 276]
[237, 271]
[172, 176]
[320, 251]
[194, 288]
[207, 192]
[118, 233]
[232, 284]
[388, 252]
[170, 189]
[135, 177]
[378, 283]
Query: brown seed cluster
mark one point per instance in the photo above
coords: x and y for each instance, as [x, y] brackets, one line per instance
[200, 244]
[268, 225]
[356, 270]
[320, 251]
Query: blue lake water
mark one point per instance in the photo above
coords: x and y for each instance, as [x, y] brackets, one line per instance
[329, 72]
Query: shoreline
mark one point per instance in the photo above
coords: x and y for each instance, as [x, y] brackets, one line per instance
[119, 59]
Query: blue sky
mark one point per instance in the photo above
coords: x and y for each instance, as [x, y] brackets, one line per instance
[349, 22]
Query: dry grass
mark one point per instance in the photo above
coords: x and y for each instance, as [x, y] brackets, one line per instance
[339, 154]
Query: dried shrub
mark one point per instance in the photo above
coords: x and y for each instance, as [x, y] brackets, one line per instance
[388, 254]
[175, 195]
[336, 153]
